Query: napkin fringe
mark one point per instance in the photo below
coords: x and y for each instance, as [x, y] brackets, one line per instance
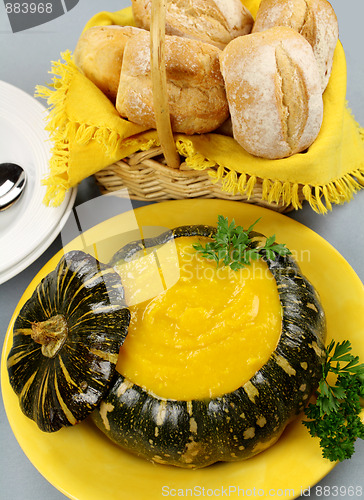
[320, 197]
[61, 127]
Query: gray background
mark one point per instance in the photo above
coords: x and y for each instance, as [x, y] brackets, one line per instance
[24, 62]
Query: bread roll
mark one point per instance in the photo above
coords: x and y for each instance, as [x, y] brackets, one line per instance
[99, 53]
[211, 21]
[195, 87]
[274, 92]
[313, 19]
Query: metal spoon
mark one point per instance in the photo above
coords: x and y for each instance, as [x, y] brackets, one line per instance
[12, 184]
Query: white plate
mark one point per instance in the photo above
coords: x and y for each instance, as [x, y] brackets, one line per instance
[28, 227]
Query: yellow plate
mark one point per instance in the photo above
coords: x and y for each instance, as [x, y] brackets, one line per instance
[84, 465]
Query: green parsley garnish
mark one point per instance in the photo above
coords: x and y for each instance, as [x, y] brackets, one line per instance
[233, 246]
[334, 418]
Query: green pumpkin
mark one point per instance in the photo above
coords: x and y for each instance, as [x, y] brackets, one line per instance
[66, 341]
[239, 424]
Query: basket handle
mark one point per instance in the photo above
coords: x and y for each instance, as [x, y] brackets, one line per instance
[159, 83]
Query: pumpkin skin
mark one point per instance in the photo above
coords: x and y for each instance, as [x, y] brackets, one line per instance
[239, 424]
[58, 385]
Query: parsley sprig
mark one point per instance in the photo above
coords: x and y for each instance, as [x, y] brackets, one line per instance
[334, 418]
[232, 245]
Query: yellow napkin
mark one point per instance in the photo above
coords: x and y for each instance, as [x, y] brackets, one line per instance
[88, 135]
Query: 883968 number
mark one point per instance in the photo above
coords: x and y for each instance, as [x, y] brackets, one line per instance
[29, 8]
[338, 491]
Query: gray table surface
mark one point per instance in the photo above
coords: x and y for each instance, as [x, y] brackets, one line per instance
[24, 62]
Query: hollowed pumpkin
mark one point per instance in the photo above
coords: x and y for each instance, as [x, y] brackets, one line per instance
[66, 341]
[238, 424]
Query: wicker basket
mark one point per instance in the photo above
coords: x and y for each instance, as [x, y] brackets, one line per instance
[147, 177]
[160, 173]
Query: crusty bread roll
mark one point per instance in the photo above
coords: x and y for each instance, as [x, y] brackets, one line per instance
[211, 21]
[274, 92]
[195, 87]
[99, 53]
[313, 19]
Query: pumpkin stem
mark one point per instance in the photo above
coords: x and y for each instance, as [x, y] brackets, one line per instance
[51, 334]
